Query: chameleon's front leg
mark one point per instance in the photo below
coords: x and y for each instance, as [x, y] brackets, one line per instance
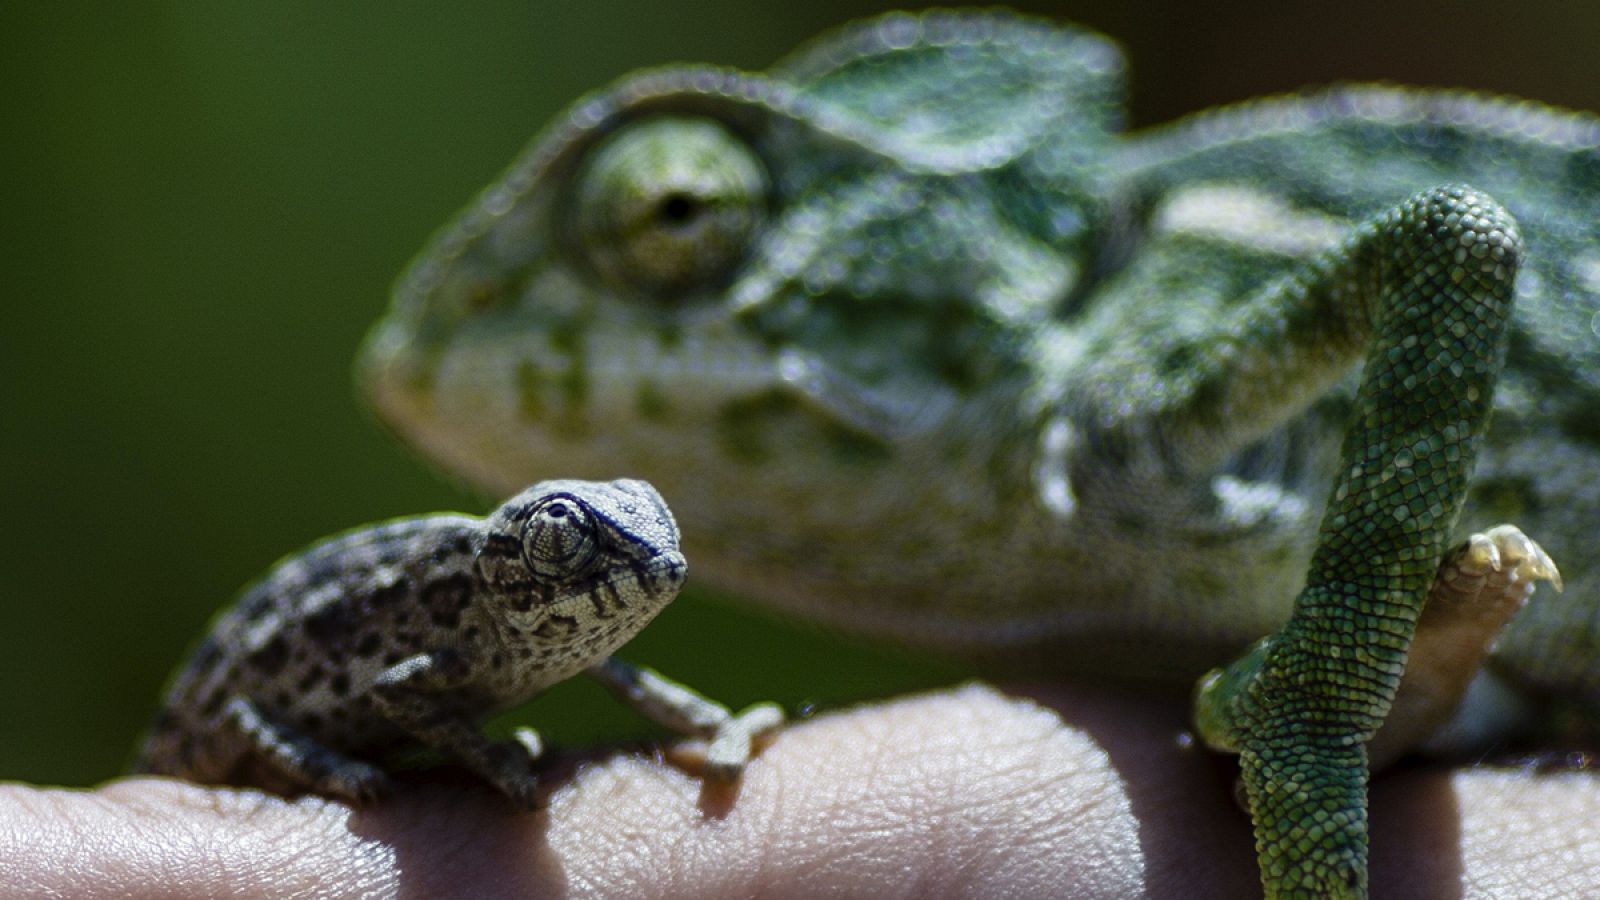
[671, 705]
[411, 694]
[1433, 280]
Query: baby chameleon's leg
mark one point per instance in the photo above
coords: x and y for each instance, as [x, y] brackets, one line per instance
[410, 694]
[301, 760]
[671, 705]
[1431, 285]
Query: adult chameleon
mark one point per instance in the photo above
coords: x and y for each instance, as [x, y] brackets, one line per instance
[920, 344]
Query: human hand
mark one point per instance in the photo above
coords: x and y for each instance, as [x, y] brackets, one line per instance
[967, 792]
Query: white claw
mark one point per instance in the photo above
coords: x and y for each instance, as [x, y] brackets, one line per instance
[1527, 557]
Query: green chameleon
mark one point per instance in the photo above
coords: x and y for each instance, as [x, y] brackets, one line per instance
[920, 345]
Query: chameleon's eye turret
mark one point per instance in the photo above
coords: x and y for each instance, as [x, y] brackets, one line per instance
[669, 204]
[560, 540]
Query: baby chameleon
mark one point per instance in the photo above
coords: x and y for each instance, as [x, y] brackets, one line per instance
[415, 630]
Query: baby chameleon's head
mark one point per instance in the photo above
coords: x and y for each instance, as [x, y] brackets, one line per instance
[583, 550]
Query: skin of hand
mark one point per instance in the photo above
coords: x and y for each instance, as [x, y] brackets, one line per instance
[967, 792]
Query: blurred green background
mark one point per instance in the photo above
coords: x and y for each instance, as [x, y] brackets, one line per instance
[204, 203]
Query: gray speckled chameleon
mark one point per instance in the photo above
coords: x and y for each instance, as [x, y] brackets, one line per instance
[413, 631]
[923, 347]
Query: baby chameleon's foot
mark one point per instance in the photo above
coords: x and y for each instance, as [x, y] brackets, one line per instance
[512, 767]
[736, 739]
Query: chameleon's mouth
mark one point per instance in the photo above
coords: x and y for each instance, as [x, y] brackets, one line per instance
[631, 588]
[505, 410]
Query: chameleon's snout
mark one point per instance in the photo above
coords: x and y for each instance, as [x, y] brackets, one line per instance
[669, 571]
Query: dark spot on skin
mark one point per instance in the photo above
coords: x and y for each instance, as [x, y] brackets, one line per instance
[471, 633]
[393, 657]
[854, 448]
[330, 625]
[389, 594]
[369, 644]
[498, 547]
[339, 684]
[1177, 360]
[453, 592]
[311, 721]
[270, 657]
[482, 296]
[750, 429]
[309, 679]
[498, 661]
[446, 618]
[213, 703]
[282, 699]
[1581, 424]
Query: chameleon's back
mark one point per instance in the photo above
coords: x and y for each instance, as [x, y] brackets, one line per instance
[301, 643]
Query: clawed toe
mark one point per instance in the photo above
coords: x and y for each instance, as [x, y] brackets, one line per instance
[736, 739]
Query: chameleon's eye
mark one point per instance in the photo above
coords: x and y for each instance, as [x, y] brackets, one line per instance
[560, 540]
[669, 204]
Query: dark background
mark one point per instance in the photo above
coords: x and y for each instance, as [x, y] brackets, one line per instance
[204, 203]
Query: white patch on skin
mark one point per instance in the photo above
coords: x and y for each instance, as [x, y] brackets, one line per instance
[1240, 215]
[1050, 474]
[1248, 503]
[1588, 267]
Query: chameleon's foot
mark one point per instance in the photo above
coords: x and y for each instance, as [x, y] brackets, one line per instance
[1479, 586]
[531, 743]
[736, 739]
[358, 782]
[732, 738]
[512, 767]
[1499, 562]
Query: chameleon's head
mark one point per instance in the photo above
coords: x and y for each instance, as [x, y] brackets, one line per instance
[714, 279]
[589, 555]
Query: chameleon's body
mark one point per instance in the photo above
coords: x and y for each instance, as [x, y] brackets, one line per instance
[920, 346]
[413, 631]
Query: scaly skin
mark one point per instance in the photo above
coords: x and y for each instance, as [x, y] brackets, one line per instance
[922, 347]
[415, 630]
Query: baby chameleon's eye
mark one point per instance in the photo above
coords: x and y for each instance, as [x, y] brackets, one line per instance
[560, 540]
[669, 204]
